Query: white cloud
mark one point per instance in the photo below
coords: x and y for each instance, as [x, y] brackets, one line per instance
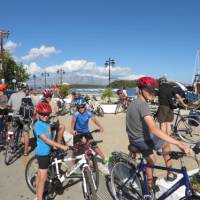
[43, 51]
[85, 68]
[10, 46]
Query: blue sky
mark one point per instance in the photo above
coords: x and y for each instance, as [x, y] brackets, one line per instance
[145, 37]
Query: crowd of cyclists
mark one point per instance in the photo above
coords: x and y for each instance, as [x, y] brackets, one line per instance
[143, 134]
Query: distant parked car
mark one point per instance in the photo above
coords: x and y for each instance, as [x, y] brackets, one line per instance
[9, 91]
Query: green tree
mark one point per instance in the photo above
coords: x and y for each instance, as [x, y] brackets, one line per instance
[107, 94]
[64, 90]
[12, 70]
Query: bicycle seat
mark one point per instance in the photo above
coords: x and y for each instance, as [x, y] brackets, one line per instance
[133, 149]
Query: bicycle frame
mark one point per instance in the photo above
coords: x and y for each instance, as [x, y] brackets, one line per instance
[184, 181]
[82, 162]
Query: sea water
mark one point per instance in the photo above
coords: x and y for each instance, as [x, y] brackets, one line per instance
[99, 91]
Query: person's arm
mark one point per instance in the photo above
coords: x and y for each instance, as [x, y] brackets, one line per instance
[53, 143]
[73, 131]
[94, 119]
[153, 129]
[180, 100]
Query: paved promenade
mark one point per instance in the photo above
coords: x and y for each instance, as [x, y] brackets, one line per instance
[12, 178]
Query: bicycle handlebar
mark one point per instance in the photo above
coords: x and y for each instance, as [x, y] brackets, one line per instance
[178, 154]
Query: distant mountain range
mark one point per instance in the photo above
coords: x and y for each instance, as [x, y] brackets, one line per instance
[72, 79]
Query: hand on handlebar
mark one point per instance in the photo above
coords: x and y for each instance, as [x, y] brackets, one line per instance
[64, 147]
[74, 132]
[186, 149]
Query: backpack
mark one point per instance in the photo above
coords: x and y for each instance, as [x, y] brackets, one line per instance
[27, 108]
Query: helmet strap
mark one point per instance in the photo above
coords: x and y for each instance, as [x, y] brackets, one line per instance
[144, 96]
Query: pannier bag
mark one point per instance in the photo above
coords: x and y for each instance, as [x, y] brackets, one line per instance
[195, 115]
[26, 110]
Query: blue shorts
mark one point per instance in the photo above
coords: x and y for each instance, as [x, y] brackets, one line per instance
[146, 147]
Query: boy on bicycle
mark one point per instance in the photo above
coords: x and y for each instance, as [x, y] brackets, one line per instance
[80, 122]
[142, 131]
[44, 144]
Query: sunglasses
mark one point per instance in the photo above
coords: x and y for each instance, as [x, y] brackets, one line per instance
[44, 114]
[83, 106]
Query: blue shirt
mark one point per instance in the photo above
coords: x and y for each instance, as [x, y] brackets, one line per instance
[82, 121]
[40, 127]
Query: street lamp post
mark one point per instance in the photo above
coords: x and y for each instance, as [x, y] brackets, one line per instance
[45, 74]
[34, 81]
[3, 34]
[61, 72]
[109, 63]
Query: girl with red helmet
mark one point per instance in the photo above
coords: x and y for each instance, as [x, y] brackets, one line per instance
[142, 131]
[42, 131]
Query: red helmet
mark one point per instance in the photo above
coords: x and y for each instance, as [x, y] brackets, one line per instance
[43, 108]
[47, 93]
[149, 83]
[2, 86]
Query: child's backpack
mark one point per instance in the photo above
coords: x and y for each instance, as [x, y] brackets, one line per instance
[27, 108]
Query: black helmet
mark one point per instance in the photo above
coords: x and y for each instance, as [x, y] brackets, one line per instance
[22, 85]
[162, 79]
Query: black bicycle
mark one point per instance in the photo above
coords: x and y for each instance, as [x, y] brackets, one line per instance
[13, 137]
[185, 127]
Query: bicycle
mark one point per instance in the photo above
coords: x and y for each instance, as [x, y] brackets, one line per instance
[13, 137]
[129, 181]
[185, 127]
[3, 131]
[59, 171]
[94, 106]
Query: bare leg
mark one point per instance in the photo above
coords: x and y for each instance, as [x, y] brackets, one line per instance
[166, 128]
[60, 133]
[42, 176]
[99, 152]
[151, 159]
[26, 143]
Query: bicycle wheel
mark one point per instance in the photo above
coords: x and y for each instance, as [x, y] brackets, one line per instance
[188, 129]
[124, 184]
[95, 170]
[31, 174]
[88, 185]
[118, 108]
[193, 197]
[10, 150]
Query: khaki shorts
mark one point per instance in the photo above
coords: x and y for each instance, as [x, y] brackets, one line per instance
[165, 114]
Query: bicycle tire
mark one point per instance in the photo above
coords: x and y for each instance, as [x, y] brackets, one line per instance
[188, 130]
[120, 187]
[90, 194]
[118, 108]
[30, 176]
[95, 170]
[9, 150]
[193, 197]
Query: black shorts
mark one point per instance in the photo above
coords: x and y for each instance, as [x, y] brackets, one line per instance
[79, 137]
[165, 114]
[146, 147]
[43, 161]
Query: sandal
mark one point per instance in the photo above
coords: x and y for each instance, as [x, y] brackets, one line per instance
[170, 177]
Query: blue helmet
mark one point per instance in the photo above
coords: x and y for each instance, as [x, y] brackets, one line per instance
[80, 101]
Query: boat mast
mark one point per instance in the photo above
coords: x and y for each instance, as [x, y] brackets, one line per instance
[196, 74]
